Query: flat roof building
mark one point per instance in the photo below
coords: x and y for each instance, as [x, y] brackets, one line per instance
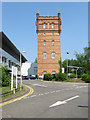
[9, 54]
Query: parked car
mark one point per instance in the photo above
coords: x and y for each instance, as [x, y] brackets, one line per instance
[41, 76]
[31, 77]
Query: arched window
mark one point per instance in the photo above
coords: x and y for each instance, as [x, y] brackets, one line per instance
[53, 72]
[52, 33]
[53, 42]
[52, 25]
[44, 72]
[44, 25]
[53, 54]
[44, 33]
[44, 55]
[44, 42]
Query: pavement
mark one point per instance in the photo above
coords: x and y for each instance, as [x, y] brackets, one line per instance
[50, 100]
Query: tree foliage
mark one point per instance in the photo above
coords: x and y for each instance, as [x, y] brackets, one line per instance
[60, 64]
[4, 77]
[35, 60]
[82, 60]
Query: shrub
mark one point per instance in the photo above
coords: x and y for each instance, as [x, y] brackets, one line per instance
[61, 77]
[84, 77]
[48, 77]
[88, 79]
[72, 76]
[5, 78]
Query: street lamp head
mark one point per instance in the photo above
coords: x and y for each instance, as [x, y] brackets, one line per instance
[23, 51]
[67, 52]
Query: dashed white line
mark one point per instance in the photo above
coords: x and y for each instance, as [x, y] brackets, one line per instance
[33, 96]
[46, 93]
[40, 94]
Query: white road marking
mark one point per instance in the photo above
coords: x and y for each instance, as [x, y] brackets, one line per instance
[39, 85]
[33, 96]
[57, 90]
[47, 93]
[63, 102]
[40, 94]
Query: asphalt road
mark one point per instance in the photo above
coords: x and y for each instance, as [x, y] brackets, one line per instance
[50, 100]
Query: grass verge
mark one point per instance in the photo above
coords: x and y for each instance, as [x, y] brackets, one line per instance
[11, 95]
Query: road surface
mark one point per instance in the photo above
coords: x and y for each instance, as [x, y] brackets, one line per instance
[50, 100]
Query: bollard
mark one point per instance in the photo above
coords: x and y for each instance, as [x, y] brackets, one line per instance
[13, 90]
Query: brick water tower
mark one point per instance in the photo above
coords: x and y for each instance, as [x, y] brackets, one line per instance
[49, 53]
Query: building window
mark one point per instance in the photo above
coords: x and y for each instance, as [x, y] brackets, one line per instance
[53, 42]
[44, 33]
[52, 33]
[44, 25]
[48, 25]
[53, 72]
[44, 72]
[5, 60]
[44, 55]
[53, 55]
[52, 25]
[44, 42]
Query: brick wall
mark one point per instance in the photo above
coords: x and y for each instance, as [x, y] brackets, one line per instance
[48, 64]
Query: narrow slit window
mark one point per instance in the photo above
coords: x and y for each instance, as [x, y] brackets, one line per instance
[44, 42]
[53, 42]
[44, 25]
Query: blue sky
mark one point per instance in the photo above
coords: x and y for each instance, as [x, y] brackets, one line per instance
[18, 23]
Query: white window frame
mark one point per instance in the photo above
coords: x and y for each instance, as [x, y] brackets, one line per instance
[44, 72]
[52, 25]
[52, 42]
[44, 42]
[44, 25]
[44, 55]
[53, 55]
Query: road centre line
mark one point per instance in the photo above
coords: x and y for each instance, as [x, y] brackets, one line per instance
[39, 85]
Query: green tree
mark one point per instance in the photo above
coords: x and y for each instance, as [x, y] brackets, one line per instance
[82, 60]
[4, 78]
[35, 60]
[60, 64]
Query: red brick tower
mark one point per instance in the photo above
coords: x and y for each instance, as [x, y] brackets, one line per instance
[48, 33]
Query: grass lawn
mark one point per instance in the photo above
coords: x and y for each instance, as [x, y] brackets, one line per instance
[10, 95]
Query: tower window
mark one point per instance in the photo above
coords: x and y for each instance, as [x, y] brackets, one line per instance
[53, 42]
[44, 25]
[53, 55]
[52, 25]
[44, 72]
[44, 42]
[53, 72]
[44, 33]
[52, 33]
[44, 55]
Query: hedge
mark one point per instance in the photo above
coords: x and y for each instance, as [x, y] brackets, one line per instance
[72, 76]
[61, 77]
[86, 78]
[48, 77]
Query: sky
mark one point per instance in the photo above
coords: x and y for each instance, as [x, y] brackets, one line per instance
[18, 23]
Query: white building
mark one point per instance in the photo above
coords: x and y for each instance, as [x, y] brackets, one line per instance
[9, 54]
[28, 69]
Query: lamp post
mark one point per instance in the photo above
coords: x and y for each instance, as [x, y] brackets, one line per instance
[20, 67]
[67, 64]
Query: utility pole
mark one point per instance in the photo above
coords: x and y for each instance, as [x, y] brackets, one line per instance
[67, 64]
